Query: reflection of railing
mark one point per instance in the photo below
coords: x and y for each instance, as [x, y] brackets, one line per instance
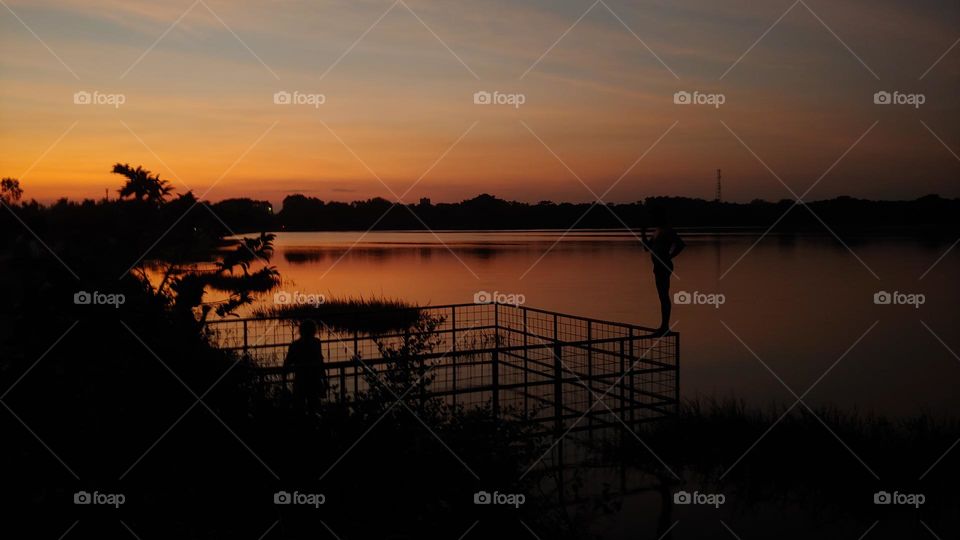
[571, 371]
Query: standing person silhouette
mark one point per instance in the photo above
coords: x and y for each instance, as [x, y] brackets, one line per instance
[305, 357]
[663, 245]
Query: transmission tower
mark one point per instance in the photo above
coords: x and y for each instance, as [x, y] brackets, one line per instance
[719, 197]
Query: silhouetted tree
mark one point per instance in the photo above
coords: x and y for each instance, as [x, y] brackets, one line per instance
[142, 185]
[486, 211]
[10, 191]
[230, 275]
[184, 283]
[245, 215]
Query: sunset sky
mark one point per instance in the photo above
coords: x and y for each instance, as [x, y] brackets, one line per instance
[198, 79]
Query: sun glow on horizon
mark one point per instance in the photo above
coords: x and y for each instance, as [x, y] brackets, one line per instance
[399, 117]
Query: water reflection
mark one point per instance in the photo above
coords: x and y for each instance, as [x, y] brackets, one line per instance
[797, 302]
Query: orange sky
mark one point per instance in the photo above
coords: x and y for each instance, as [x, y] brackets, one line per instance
[398, 78]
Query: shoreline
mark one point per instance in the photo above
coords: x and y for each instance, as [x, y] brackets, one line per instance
[925, 232]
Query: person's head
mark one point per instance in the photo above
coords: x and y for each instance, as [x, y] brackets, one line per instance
[658, 215]
[308, 329]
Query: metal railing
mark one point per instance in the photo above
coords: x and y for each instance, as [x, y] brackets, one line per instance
[569, 371]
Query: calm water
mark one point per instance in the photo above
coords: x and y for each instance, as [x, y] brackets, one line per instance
[799, 303]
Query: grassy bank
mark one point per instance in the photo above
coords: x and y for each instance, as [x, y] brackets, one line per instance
[373, 315]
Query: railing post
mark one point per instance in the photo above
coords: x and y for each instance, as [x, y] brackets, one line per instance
[343, 384]
[558, 377]
[633, 397]
[453, 353]
[245, 346]
[590, 370]
[526, 368]
[422, 383]
[356, 364]
[623, 373]
[453, 326]
[676, 386]
[495, 365]
[558, 385]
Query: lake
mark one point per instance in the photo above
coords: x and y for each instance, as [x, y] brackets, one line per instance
[804, 306]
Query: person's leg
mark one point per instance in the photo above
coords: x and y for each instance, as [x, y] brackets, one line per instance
[662, 280]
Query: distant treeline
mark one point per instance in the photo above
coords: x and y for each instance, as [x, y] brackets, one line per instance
[302, 213]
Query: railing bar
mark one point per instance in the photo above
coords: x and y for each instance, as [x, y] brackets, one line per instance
[575, 344]
[439, 308]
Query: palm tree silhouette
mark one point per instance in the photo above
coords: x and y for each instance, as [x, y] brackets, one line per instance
[142, 185]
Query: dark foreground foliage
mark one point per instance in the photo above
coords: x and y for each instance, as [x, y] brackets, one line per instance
[824, 464]
[129, 398]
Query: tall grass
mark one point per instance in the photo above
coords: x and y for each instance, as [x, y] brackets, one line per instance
[373, 315]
